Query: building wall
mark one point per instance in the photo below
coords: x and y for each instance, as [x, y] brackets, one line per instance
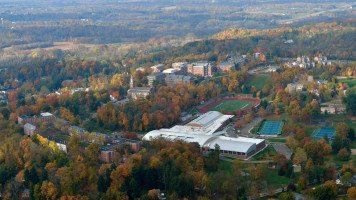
[137, 95]
[225, 68]
[107, 156]
[34, 119]
[30, 132]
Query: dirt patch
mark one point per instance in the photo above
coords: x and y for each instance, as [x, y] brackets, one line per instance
[353, 152]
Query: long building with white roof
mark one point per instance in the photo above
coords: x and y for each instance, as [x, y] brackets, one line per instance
[206, 131]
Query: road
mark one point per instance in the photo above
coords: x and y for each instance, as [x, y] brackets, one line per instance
[296, 19]
[245, 131]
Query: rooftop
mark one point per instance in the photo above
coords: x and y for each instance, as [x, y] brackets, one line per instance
[240, 144]
[29, 126]
[46, 114]
[156, 74]
[179, 77]
[139, 89]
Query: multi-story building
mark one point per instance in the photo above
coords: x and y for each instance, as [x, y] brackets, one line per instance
[159, 76]
[333, 109]
[138, 92]
[206, 131]
[174, 80]
[182, 66]
[172, 71]
[107, 153]
[226, 66]
[48, 117]
[158, 68]
[200, 68]
[30, 129]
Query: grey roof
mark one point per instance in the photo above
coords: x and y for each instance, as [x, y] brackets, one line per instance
[80, 130]
[229, 63]
[139, 89]
[179, 77]
[156, 74]
[117, 143]
[29, 126]
[207, 118]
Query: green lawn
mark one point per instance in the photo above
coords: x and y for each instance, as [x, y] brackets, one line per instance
[265, 154]
[350, 82]
[225, 166]
[353, 145]
[280, 117]
[309, 129]
[231, 105]
[271, 175]
[259, 81]
[280, 140]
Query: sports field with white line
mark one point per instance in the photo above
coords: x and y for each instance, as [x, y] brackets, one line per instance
[231, 105]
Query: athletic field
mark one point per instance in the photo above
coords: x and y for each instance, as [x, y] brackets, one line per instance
[231, 105]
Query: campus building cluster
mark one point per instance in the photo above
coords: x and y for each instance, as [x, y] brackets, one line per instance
[207, 131]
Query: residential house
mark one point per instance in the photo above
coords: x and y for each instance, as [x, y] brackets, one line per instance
[294, 87]
[333, 109]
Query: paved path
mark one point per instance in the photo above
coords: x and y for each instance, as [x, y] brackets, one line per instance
[282, 149]
[245, 131]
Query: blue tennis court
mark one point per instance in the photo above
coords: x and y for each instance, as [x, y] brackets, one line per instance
[321, 132]
[272, 128]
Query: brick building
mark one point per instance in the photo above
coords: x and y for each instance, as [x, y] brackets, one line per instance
[174, 80]
[158, 68]
[226, 66]
[48, 117]
[182, 66]
[138, 92]
[200, 68]
[30, 129]
[108, 153]
[155, 77]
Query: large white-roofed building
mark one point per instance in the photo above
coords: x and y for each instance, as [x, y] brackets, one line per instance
[205, 131]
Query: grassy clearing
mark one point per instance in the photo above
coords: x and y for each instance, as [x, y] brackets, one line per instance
[265, 154]
[259, 81]
[271, 175]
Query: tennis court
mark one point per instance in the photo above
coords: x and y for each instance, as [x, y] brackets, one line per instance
[321, 132]
[272, 127]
